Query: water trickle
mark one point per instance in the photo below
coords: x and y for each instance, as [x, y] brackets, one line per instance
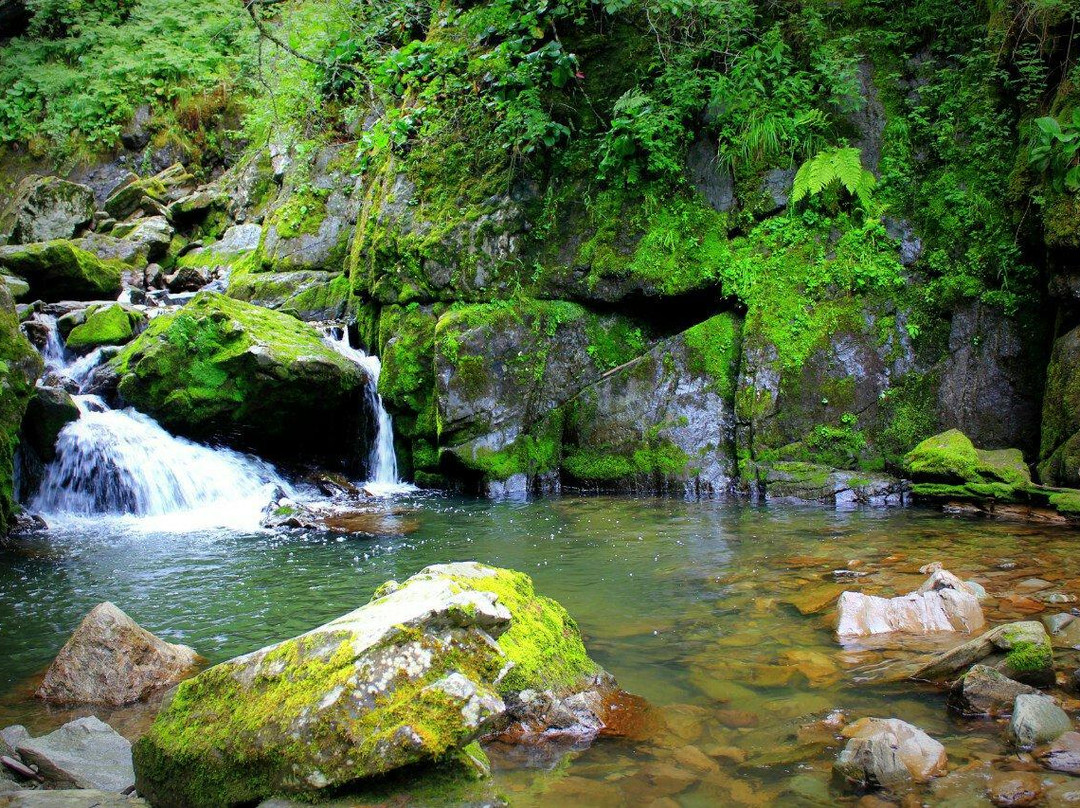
[123, 463]
[382, 464]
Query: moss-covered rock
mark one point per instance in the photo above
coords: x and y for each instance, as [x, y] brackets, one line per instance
[411, 678]
[20, 365]
[59, 270]
[44, 209]
[308, 296]
[247, 375]
[1059, 454]
[664, 422]
[49, 411]
[106, 325]
[949, 465]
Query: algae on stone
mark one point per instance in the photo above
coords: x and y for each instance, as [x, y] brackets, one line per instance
[227, 369]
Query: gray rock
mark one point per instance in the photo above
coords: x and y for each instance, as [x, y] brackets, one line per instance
[1062, 754]
[86, 753]
[11, 737]
[777, 186]
[671, 397]
[136, 134]
[991, 385]
[112, 660]
[713, 181]
[1037, 719]
[886, 753]
[152, 234]
[239, 238]
[985, 691]
[46, 208]
[79, 798]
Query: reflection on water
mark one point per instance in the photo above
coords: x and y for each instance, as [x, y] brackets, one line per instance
[718, 614]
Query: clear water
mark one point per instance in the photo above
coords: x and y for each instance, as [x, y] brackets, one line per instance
[685, 603]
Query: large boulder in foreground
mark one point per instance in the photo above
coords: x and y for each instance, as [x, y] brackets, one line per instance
[942, 603]
[220, 368]
[20, 365]
[1021, 651]
[60, 270]
[112, 660]
[886, 753]
[412, 677]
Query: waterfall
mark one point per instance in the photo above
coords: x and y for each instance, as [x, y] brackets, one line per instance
[121, 463]
[382, 463]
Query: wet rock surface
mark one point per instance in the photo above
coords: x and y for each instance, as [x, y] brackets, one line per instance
[1037, 719]
[887, 752]
[86, 753]
[112, 660]
[942, 603]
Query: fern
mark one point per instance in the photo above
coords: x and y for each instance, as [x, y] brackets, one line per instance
[829, 167]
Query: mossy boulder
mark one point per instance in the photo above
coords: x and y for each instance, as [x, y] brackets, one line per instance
[106, 325]
[225, 369]
[1059, 454]
[59, 270]
[411, 678]
[1021, 651]
[20, 366]
[948, 464]
[44, 209]
[308, 296]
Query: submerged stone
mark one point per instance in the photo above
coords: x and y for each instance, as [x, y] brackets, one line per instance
[886, 753]
[985, 691]
[412, 677]
[1037, 719]
[112, 660]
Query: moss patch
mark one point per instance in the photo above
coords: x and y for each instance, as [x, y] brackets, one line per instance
[106, 325]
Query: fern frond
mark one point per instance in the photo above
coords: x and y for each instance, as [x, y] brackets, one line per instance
[831, 166]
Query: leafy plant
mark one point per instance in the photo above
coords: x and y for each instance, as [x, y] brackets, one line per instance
[1056, 149]
[830, 167]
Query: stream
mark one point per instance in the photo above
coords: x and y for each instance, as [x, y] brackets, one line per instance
[719, 615]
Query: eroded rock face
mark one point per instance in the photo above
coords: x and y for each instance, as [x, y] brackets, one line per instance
[112, 660]
[227, 369]
[46, 208]
[86, 753]
[1021, 651]
[942, 603]
[888, 752]
[411, 677]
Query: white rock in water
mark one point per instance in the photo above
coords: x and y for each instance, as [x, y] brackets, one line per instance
[888, 752]
[942, 603]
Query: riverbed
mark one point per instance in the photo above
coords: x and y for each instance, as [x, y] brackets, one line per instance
[719, 615]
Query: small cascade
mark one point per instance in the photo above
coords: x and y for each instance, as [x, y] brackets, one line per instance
[122, 463]
[382, 463]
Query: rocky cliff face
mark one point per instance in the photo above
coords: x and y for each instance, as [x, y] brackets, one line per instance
[643, 298]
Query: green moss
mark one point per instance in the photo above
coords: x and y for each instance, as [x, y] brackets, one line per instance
[1066, 502]
[1029, 657]
[105, 325]
[203, 370]
[58, 270]
[543, 640]
[20, 365]
[713, 349]
[951, 458]
[302, 213]
[656, 457]
[535, 453]
[613, 342]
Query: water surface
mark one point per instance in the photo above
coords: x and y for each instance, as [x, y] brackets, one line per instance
[720, 615]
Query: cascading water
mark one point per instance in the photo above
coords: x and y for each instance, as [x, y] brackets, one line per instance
[122, 463]
[383, 461]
